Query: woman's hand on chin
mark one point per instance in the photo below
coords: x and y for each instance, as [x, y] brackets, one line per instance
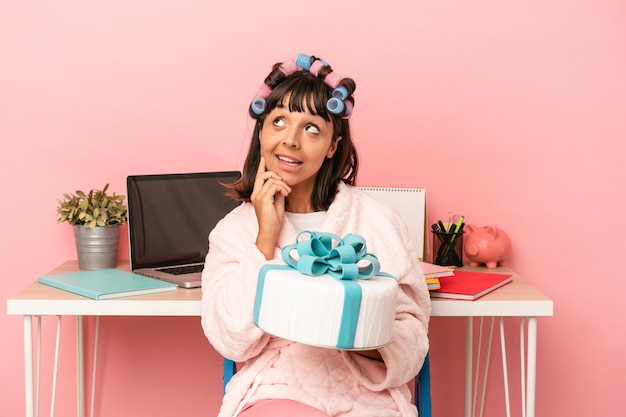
[268, 199]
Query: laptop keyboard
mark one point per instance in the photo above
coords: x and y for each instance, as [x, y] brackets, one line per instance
[180, 270]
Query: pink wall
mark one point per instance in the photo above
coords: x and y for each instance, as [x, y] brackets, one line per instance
[509, 112]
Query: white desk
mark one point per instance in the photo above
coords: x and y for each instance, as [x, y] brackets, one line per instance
[517, 299]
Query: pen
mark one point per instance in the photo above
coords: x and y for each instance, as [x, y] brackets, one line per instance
[460, 229]
[459, 224]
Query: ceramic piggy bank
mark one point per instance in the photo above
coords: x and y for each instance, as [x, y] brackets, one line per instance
[487, 245]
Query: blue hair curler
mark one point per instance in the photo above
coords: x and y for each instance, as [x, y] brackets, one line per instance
[340, 92]
[335, 105]
[303, 61]
[258, 106]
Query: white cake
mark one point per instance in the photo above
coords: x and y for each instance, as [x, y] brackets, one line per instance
[309, 309]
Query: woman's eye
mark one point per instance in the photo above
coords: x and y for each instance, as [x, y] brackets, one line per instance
[279, 121]
[312, 129]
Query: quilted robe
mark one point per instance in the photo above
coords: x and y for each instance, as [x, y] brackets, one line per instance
[341, 383]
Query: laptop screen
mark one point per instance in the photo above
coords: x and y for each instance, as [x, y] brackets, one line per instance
[170, 216]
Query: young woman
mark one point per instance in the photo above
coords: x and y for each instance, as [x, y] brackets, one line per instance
[299, 175]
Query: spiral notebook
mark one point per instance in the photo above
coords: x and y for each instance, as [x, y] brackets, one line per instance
[410, 203]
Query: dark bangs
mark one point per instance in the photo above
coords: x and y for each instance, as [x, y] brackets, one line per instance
[306, 94]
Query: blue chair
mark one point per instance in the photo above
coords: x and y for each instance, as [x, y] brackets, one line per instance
[421, 395]
[229, 370]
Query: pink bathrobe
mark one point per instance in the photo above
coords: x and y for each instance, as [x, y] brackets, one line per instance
[340, 383]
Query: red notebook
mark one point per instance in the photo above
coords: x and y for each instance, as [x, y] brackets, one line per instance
[470, 285]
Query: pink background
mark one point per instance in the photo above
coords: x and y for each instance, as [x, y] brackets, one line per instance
[512, 113]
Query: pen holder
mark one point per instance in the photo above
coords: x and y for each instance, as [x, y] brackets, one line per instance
[448, 248]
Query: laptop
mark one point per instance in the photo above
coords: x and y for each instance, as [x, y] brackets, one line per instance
[169, 220]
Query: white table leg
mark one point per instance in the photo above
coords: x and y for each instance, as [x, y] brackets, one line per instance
[38, 372]
[469, 331]
[532, 366]
[528, 387]
[505, 372]
[80, 371]
[95, 363]
[522, 350]
[477, 366]
[55, 371]
[486, 370]
[28, 364]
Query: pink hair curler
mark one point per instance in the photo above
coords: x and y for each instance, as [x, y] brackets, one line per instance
[333, 79]
[289, 67]
[316, 66]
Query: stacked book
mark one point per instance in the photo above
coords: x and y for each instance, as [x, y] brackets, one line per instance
[433, 272]
[459, 284]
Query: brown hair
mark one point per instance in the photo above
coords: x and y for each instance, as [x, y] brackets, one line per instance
[307, 93]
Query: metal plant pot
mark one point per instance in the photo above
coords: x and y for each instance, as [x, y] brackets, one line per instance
[97, 246]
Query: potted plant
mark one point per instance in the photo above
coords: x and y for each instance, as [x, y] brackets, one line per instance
[96, 217]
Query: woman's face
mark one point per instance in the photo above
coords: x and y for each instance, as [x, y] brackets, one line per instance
[295, 144]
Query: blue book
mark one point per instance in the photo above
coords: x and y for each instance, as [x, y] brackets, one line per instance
[106, 284]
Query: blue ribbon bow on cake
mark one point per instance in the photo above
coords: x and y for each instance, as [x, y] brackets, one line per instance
[317, 256]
